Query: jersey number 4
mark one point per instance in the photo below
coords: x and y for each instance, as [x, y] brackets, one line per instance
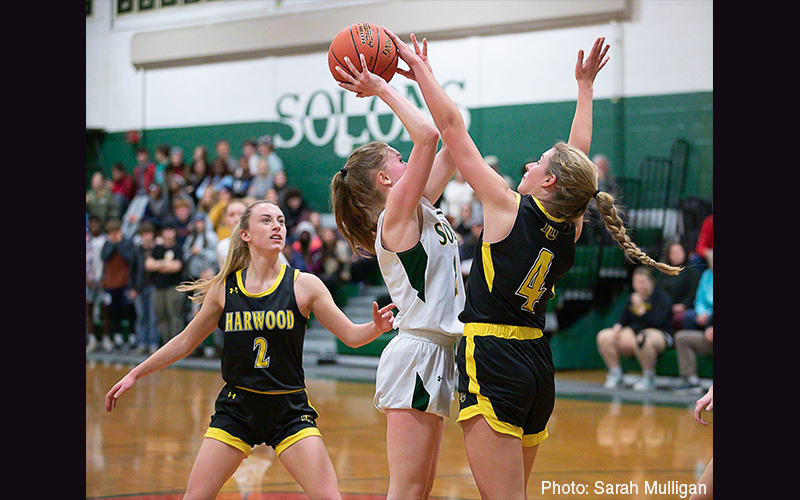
[532, 286]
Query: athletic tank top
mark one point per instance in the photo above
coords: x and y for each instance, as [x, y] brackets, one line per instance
[263, 344]
[511, 281]
[425, 282]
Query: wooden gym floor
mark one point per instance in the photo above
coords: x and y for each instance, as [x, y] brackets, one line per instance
[145, 448]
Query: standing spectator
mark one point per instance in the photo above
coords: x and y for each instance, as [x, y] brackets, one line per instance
[166, 264]
[200, 248]
[681, 287]
[605, 178]
[233, 211]
[117, 255]
[122, 187]
[99, 200]
[141, 290]
[643, 331]
[95, 239]
[261, 182]
[267, 150]
[223, 150]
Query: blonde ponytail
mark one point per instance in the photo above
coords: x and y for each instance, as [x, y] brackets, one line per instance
[606, 205]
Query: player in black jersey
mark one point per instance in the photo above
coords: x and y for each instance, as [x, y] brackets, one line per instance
[506, 376]
[262, 306]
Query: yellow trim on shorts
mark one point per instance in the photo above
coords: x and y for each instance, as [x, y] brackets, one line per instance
[535, 439]
[229, 439]
[303, 433]
[502, 331]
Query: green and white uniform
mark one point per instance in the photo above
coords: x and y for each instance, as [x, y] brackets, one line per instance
[417, 367]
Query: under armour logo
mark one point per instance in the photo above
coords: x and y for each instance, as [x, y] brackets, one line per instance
[234, 289]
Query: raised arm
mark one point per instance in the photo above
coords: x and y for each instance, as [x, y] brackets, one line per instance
[580, 135]
[489, 186]
[178, 347]
[401, 227]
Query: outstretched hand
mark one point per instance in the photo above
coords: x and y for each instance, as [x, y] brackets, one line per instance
[120, 387]
[383, 317]
[408, 56]
[586, 70]
[707, 403]
[362, 83]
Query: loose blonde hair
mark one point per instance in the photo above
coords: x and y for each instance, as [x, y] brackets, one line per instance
[355, 198]
[238, 257]
[576, 185]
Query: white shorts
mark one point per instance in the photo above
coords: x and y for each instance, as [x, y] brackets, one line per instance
[417, 370]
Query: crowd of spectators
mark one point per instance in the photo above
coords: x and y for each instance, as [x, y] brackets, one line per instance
[168, 219]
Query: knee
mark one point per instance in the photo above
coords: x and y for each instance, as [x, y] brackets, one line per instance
[605, 337]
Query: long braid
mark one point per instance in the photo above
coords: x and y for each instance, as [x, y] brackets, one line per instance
[614, 224]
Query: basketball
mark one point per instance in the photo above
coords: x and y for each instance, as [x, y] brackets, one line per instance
[363, 38]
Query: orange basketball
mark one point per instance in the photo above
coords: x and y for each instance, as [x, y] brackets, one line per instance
[368, 39]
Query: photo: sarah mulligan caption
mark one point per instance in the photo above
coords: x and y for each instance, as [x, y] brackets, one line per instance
[676, 488]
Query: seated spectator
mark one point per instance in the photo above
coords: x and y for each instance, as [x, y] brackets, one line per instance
[200, 248]
[681, 287]
[307, 244]
[705, 244]
[261, 181]
[233, 211]
[241, 179]
[295, 209]
[100, 200]
[216, 215]
[332, 262]
[280, 182]
[643, 331]
[161, 156]
[117, 255]
[144, 173]
[689, 344]
[266, 150]
[181, 218]
[122, 187]
[702, 314]
[198, 173]
[696, 336]
[219, 176]
[157, 210]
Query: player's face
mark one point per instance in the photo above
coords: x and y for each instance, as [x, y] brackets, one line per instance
[535, 175]
[267, 227]
[395, 166]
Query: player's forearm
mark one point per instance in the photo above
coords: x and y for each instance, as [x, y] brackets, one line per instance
[580, 135]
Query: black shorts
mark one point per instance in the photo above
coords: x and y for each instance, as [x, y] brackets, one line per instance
[506, 374]
[244, 419]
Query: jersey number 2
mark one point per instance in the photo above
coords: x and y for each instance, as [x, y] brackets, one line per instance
[262, 360]
[532, 286]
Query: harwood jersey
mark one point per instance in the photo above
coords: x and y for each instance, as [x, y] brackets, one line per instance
[425, 282]
[263, 345]
[511, 281]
